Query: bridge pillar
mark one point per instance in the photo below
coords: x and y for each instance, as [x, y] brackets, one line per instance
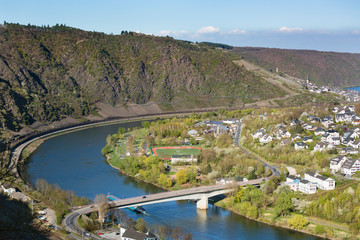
[203, 203]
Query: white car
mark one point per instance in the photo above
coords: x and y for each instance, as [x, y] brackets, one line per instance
[41, 212]
[41, 217]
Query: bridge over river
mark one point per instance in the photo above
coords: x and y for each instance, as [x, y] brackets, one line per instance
[198, 193]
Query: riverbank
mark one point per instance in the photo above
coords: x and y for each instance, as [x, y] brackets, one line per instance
[268, 217]
[127, 174]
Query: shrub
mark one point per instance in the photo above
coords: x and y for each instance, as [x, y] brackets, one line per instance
[319, 229]
[297, 222]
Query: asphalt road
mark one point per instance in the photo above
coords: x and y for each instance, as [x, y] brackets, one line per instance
[70, 220]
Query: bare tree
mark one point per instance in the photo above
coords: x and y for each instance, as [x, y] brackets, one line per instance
[103, 206]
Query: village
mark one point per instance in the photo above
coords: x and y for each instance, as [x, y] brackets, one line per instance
[349, 95]
[320, 134]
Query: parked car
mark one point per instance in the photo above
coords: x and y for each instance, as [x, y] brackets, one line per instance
[41, 212]
[41, 217]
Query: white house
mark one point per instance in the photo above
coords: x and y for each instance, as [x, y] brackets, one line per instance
[344, 117]
[337, 162]
[7, 189]
[325, 183]
[224, 181]
[355, 144]
[259, 133]
[307, 139]
[300, 146]
[294, 122]
[321, 182]
[231, 121]
[349, 150]
[350, 135]
[307, 187]
[319, 131]
[326, 121]
[293, 182]
[325, 137]
[192, 133]
[355, 120]
[350, 167]
[296, 137]
[334, 141]
[183, 158]
[319, 147]
[265, 138]
[333, 133]
[130, 234]
[282, 133]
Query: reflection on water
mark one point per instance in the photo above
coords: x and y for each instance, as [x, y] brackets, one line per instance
[74, 162]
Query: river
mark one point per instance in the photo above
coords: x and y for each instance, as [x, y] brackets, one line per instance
[74, 162]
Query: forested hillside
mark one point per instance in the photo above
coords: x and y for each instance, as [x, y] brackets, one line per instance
[323, 68]
[47, 73]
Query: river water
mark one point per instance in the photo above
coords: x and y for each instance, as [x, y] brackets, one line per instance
[74, 162]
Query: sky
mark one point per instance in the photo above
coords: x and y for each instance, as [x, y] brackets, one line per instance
[324, 25]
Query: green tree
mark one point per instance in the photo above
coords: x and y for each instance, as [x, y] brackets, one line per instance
[297, 222]
[181, 176]
[164, 181]
[141, 225]
[145, 124]
[283, 204]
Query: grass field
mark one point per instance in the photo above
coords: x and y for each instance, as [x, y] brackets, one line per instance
[166, 152]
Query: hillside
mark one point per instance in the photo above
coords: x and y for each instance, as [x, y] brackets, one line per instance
[323, 68]
[47, 73]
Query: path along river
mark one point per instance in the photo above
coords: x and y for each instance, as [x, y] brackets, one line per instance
[74, 162]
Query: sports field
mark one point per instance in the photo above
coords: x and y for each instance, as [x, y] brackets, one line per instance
[165, 153]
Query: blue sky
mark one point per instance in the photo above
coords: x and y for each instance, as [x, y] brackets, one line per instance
[325, 25]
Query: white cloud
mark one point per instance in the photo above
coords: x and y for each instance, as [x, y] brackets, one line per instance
[171, 33]
[237, 32]
[289, 29]
[208, 29]
[164, 33]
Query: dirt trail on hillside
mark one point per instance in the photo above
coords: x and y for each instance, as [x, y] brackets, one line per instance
[273, 79]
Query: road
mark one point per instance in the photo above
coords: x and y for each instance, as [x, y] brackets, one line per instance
[237, 134]
[70, 220]
[273, 168]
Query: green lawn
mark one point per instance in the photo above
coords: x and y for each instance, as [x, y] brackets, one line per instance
[166, 153]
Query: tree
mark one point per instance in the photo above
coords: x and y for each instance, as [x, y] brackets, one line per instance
[224, 141]
[130, 144]
[164, 181]
[103, 206]
[121, 131]
[145, 124]
[181, 176]
[141, 225]
[297, 222]
[283, 204]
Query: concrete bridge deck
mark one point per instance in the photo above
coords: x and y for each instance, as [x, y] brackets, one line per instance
[184, 194]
